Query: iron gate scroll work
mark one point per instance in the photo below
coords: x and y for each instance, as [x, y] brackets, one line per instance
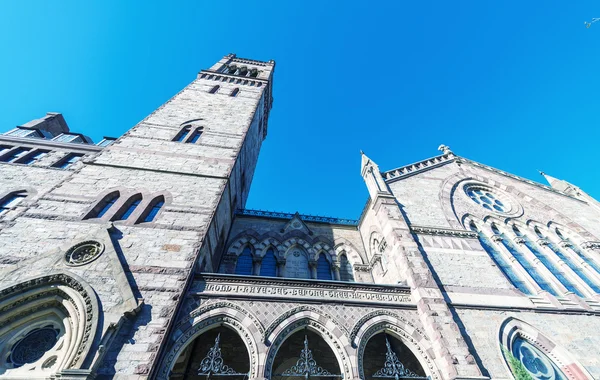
[306, 366]
[393, 368]
[213, 365]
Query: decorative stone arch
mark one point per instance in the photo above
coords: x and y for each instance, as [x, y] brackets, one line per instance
[206, 318]
[30, 191]
[374, 236]
[571, 232]
[320, 247]
[352, 254]
[318, 323]
[236, 247]
[455, 216]
[270, 242]
[306, 311]
[512, 328]
[402, 329]
[62, 300]
[148, 200]
[290, 243]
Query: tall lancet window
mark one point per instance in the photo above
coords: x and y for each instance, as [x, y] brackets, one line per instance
[345, 269]
[500, 262]
[268, 266]
[547, 262]
[533, 272]
[323, 268]
[244, 262]
[578, 251]
[570, 263]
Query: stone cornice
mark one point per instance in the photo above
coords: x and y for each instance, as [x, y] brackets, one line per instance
[44, 143]
[304, 218]
[419, 230]
[303, 283]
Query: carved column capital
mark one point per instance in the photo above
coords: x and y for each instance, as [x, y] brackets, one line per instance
[497, 238]
[519, 240]
[590, 245]
[543, 242]
[565, 244]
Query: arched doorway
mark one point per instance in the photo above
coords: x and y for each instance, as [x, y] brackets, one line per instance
[304, 355]
[217, 353]
[386, 357]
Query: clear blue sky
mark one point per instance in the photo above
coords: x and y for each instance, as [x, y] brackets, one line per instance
[513, 84]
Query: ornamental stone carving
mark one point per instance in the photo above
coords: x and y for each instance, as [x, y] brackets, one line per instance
[83, 253]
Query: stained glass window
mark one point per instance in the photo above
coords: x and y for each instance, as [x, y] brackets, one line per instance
[536, 362]
[501, 262]
[268, 266]
[133, 204]
[195, 136]
[323, 268]
[486, 199]
[156, 206]
[182, 134]
[346, 273]
[33, 346]
[107, 205]
[11, 201]
[244, 262]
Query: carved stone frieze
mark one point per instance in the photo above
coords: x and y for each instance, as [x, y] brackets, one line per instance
[443, 232]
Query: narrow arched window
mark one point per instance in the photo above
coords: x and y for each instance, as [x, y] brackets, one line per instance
[244, 263]
[181, 136]
[105, 205]
[503, 264]
[323, 268]
[128, 208]
[268, 265]
[234, 92]
[214, 89]
[153, 209]
[11, 200]
[346, 273]
[195, 135]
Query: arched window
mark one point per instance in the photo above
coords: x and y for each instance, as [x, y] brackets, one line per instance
[496, 256]
[547, 262]
[181, 136]
[564, 257]
[153, 208]
[218, 353]
[323, 268]
[268, 265]
[531, 269]
[578, 251]
[195, 135]
[11, 200]
[214, 89]
[234, 92]
[385, 356]
[128, 208]
[244, 262]
[346, 273]
[105, 205]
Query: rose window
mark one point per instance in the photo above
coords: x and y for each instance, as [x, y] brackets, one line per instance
[84, 253]
[33, 345]
[486, 199]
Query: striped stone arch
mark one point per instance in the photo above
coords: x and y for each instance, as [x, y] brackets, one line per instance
[568, 231]
[353, 256]
[237, 246]
[324, 247]
[513, 328]
[325, 327]
[403, 330]
[455, 217]
[289, 243]
[206, 318]
[265, 244]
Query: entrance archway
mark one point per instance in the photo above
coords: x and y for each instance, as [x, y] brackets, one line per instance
[303, 355]
[217, 353]
[386, 357]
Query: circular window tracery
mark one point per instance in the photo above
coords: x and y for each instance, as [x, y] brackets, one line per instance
[492, 199]
[535, 362]
[83, 253]
[33, 346]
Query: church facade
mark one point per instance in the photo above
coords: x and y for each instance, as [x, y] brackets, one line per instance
[135, 258]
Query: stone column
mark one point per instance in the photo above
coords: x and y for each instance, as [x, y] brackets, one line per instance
[335, 266]
[281, 268]
[312, 265]
[256, 261]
